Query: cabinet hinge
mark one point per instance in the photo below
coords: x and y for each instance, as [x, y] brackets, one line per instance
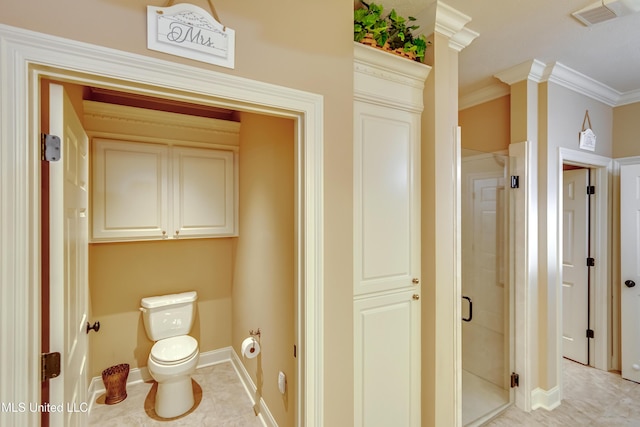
[591, 262]
[591, 189]
[590, 333]
[515, 181]
[49, 366]
[50, 147]
[515, 380]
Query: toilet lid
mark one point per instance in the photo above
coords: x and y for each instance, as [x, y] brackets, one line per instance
[174, 350]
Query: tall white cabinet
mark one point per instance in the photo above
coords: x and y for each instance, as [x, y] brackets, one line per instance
[388, 102]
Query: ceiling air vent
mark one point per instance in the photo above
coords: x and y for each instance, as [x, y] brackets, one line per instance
[605, 10]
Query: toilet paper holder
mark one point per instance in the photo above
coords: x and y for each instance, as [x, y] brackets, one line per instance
[255, 333]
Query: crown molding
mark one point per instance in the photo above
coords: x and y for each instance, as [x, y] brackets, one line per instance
[451, 23]
[580, 83]
[569, 78]
[403, 78]
[486, 94]
[462, 39]
[630, 97]
[530, 70]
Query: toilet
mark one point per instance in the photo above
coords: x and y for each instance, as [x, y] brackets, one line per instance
[174, 356]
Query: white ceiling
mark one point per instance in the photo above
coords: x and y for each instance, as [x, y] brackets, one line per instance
[516, 31]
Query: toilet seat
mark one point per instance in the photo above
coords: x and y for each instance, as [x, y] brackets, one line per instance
[174, 350]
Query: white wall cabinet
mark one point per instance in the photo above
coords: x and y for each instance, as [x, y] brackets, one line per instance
[154, 191]
[387, 108]
[161, 175]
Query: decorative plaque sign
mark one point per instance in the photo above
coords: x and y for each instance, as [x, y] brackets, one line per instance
[189, 31]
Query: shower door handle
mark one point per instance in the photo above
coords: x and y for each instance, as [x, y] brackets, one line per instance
[468, 319]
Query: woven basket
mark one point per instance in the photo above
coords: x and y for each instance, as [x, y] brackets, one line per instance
[370, 41]
[115, 382]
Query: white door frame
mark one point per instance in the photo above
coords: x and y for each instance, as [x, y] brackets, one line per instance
[602, 167]
[28, 56]
[616, 278]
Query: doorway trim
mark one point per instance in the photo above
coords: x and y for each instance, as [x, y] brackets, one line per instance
[602, 169]
[25, 57]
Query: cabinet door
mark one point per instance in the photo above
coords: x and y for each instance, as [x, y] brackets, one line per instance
[203, 192]
[130, 189]
[387, 360]
[386, 192]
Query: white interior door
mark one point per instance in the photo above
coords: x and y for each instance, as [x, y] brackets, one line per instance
[630, 270]
[68, 261]
[575, 273]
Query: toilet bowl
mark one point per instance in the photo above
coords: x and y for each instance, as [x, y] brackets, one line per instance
[174, 356]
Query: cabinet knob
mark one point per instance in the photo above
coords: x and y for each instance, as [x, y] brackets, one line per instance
[415, 281]
[416, 297]
[164, 234]
[177, 232]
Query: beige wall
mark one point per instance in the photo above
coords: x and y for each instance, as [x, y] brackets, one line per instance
[242, 284]
[120, 274]
[562, 113]
[626, 131]
[440, 327]
[264, 263]
[274, 44]
[486, 127]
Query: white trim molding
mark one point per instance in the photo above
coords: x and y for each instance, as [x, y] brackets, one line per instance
[564, 76]
[545, 399]
[451, 23]
[602, 304]
[486, 94]
[524, 236]
[555, 72]
[27, 56]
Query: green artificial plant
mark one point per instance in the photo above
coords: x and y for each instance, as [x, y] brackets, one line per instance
[392, 28]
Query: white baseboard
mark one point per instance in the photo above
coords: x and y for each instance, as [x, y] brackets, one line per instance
[260, 408]
[208, 358]
[545, 399]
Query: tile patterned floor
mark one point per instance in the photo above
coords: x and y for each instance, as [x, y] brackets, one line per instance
[591, 398]
[221, 401]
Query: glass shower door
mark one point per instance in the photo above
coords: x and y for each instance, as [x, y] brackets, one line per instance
[486, 307]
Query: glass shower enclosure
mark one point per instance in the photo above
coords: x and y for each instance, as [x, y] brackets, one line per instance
[487, 309]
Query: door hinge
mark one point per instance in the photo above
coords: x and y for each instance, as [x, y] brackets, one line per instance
[591, 189]
[295, 351]
[590, 333]
[591, 262]
[515, 380]
[50, 147]
[515, 181]
[49, 366]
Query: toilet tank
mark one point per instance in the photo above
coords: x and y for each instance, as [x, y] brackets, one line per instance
[168, 316]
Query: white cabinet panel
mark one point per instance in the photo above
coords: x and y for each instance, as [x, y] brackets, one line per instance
[154, 191]
[388, 95]
[203, 185]
[130, 190]
[386, 209]
[387, 354]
